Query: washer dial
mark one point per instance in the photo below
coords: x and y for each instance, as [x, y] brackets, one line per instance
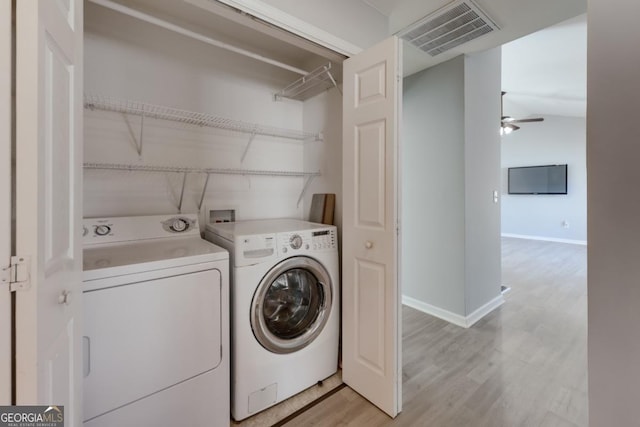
[295, 241]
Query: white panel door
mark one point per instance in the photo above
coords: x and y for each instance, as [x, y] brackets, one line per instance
[371, 327]
[48, 203]
[5, 200]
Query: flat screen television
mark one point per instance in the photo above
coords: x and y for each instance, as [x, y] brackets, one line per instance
[548, 179]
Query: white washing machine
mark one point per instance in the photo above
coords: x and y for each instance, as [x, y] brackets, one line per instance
[156, 324]
[285, 308]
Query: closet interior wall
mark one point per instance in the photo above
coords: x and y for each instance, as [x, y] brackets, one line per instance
[132, 60]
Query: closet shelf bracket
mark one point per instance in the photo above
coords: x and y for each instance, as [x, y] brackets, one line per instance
[307, 183]
[309, 85]
[137, 141]
[184, 182]
[204, 191]
[246, 149]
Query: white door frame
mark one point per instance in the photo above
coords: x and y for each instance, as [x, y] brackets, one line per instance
[6, 350]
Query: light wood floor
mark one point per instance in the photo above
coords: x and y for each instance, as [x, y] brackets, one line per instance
[525, 364]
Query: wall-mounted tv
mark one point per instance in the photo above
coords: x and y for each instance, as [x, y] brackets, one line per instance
[548, 179]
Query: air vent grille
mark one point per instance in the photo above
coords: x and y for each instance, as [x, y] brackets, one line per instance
[456, 24]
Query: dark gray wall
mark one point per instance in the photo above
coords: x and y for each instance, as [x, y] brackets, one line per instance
[613, 212]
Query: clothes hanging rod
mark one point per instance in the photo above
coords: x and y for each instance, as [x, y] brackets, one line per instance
[185, 32]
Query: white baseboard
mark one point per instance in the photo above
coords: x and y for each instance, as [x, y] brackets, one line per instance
[440, 313]
[450, 317]
[546, 239]
[484, 310]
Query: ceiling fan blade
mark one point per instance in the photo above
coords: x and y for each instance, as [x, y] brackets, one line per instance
[534, 119]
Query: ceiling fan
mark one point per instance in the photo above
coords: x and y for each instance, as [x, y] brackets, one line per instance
[508, 123]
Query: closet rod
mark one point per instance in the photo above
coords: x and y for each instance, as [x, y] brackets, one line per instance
[180, 30]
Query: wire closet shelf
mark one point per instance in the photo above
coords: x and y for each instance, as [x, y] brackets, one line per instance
[311, 84]
[97, 102]
[190, 170]
[309, 176]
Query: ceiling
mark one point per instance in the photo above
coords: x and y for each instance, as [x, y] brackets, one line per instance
[385, 7]
[541, 72]
[515, 18]
[222, 23]
[545, 73]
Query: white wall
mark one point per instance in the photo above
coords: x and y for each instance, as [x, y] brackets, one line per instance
[450, 168]
[557, 140]
[483, 252]
[129, 59]
[432, 156]
[324, 112]
[613, 212]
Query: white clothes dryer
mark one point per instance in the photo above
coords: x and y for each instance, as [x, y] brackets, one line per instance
[156, 328]
[285, 305]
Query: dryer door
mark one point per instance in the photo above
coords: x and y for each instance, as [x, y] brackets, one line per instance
[291, 305]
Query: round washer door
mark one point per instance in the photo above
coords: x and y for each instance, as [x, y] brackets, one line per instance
[291, 305]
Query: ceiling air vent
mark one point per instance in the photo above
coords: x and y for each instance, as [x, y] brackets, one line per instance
[451, 26]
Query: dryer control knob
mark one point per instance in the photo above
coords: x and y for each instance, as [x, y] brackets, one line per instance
[295, 241]
[102, 230]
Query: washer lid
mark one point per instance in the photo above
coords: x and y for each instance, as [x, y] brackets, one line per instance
[103, 261]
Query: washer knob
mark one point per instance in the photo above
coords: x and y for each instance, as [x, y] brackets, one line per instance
[179, 225]
[102, 230]
[295, 241]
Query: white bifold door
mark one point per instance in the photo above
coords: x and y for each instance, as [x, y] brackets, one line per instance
[5, 201]
[371, 331]
[48, 204]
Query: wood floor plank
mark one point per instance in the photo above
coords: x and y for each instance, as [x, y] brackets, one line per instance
[524, 364]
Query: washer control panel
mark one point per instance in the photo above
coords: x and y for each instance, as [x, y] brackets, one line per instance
[122, 229]
[307, 240]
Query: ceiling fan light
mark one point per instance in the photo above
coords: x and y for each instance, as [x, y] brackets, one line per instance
[507, 128]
